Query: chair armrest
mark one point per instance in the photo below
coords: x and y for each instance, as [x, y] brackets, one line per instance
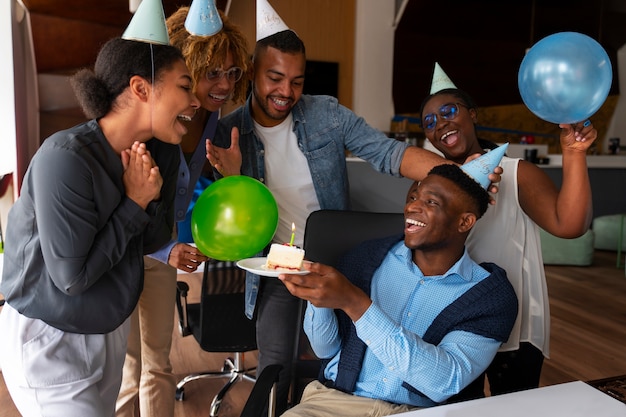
[262, 398]
[182, 289]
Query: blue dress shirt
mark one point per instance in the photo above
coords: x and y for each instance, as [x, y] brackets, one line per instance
[405, 303]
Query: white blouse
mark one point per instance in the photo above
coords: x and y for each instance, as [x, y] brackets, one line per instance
[506, 236]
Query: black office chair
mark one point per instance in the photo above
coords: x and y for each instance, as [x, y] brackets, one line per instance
[327, 236]
[219, 324]
[262, 399]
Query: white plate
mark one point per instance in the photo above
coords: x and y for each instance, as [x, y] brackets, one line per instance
[257, 266]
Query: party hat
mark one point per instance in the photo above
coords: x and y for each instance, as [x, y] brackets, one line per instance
[268, 22]
[440, 81]
[480, 168]
[203, 19]
[148, 24]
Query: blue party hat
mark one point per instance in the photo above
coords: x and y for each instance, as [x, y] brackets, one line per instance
[480, 168]
[440, 80]
[148, 24]
[203, 18]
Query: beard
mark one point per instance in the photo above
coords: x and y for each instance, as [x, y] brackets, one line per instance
[265, 106]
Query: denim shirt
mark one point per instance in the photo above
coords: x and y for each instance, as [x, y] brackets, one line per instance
[325, 130]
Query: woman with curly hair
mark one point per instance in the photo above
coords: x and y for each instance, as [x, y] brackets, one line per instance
[217, 64]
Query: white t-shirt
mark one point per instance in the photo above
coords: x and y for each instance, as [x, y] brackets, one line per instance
[288, 177]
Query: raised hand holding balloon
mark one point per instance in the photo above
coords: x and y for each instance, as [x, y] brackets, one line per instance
[234, 218]
[565, 78]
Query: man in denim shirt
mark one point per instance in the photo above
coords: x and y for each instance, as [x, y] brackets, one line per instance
[296, 145]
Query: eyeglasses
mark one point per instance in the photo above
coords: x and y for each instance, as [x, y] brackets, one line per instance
[448, 111]
[233, 74]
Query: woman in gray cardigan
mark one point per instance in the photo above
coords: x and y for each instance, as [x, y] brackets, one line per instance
[95, 198]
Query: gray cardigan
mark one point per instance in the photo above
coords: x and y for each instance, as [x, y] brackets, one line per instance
[74, 242]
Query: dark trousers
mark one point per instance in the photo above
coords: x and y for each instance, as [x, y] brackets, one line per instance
[516, 370]
[278, 314]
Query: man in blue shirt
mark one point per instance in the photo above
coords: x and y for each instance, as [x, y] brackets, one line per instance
[296, 144]
[406, 323]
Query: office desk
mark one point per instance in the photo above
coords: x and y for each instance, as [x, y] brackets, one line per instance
[572, 399]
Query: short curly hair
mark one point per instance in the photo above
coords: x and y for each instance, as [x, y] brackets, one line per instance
[285, 41]
[206, 53]
[468, 185]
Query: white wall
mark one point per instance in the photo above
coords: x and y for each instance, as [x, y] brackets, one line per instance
[19, 115]
[7, 98]
[20, 122]
[373, 60]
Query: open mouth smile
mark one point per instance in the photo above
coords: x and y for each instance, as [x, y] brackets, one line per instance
[414, 225]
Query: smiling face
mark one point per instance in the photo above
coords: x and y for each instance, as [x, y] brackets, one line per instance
[436, 215]
[215, 92]
[456, 137]
[226, 49]
[173, 103]
[278, 81]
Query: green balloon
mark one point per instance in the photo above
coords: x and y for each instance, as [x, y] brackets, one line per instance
[234, 218]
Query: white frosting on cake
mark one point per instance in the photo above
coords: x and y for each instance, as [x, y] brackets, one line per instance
[284, 257]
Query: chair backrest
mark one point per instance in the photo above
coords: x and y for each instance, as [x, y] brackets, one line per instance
[330, 233]
[222, 277]
[223, 325]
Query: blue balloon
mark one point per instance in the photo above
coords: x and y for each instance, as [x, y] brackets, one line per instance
[565, 77]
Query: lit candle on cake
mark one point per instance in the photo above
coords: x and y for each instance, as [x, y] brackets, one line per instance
[293, 233]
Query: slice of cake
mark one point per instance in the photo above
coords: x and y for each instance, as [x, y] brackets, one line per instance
[284, 257]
